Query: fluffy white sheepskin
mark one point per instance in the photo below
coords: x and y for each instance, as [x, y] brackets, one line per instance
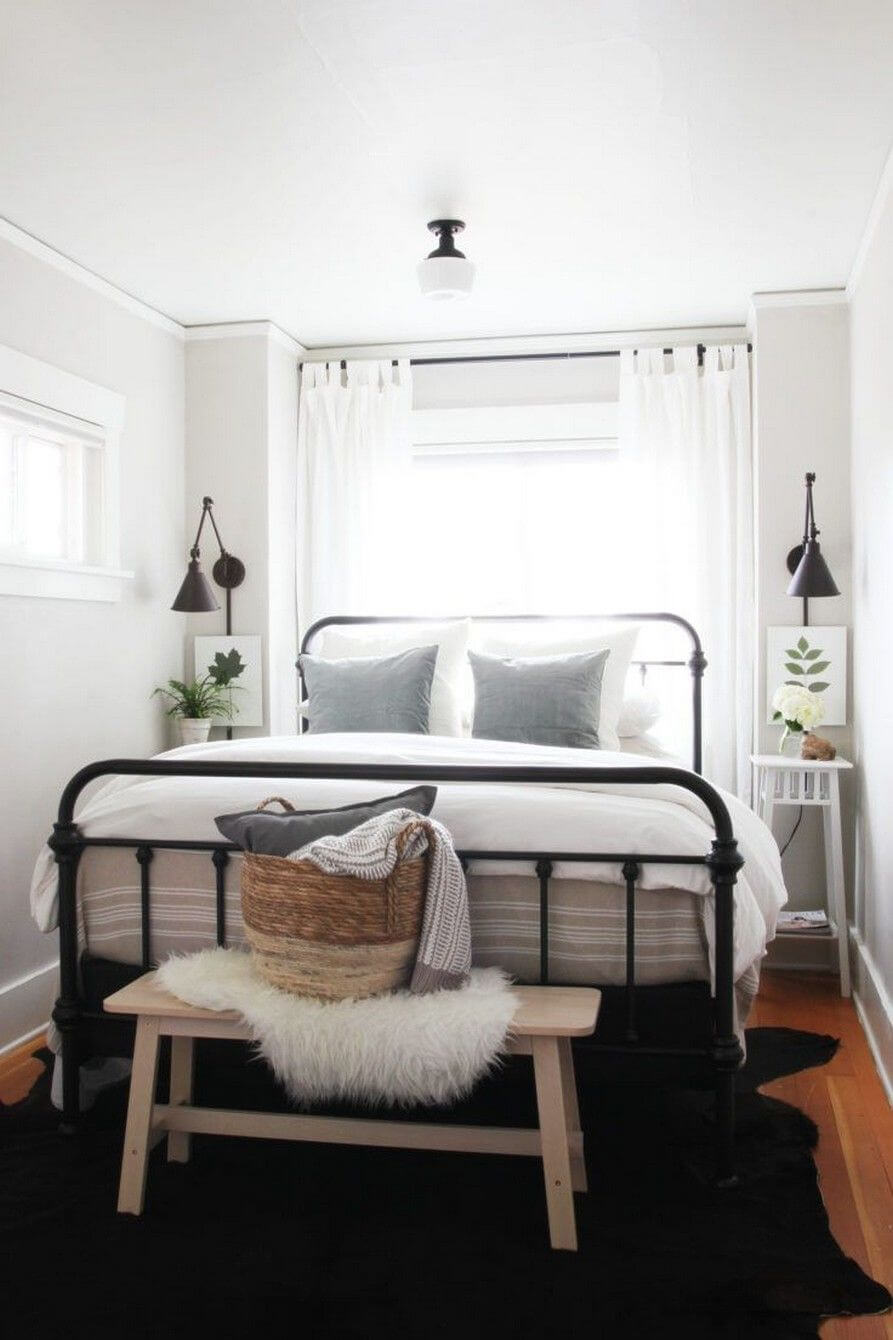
[398, 1048]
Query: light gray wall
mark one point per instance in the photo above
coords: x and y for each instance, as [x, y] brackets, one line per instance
[241, 427]
[77, 676]
[872, 402]
[226, 432]
[801, 422]
[281, 487]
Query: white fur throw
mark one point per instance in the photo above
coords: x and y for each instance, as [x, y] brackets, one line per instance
[399, 1048]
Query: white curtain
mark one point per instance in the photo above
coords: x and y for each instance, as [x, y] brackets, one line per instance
[686, 433]
[354, 447]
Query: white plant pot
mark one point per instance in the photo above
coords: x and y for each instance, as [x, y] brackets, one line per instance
[194, 730]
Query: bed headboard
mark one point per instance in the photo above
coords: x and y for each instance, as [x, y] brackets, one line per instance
[696, 662]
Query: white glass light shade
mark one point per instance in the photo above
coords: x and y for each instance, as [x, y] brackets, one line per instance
[443, 277]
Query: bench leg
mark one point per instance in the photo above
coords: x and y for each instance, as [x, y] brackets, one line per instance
[553, 1120]
[179, 1143]
[137, 1134]
[572, 1113]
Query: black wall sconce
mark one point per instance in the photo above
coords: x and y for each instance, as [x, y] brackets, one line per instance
[196, 595]
[810, 573]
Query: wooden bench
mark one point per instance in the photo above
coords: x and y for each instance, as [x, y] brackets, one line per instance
[546, 1019]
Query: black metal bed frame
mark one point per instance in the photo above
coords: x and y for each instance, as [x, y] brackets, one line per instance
[73, 1014]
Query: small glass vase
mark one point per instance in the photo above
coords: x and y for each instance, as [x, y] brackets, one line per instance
[790, 742]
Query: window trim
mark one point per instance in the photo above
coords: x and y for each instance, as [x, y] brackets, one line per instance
[497, 429]
[42, 389]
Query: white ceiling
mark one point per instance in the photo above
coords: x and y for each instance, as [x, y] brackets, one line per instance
[619, 164]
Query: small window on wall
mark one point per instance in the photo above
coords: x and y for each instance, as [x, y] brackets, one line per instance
[58, 483]
[54, 496]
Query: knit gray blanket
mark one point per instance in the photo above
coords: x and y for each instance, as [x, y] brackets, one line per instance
[372, 850]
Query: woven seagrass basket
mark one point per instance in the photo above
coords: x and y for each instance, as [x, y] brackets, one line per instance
[332, 936]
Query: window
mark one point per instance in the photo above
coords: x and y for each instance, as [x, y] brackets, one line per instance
[533, 509]
[53, 505]
[58, 483]
[523, 508]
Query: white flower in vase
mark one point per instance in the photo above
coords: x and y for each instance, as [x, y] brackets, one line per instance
[799, 708]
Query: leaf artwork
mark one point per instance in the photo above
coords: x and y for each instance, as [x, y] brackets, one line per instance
[226, 667]
[803, 660]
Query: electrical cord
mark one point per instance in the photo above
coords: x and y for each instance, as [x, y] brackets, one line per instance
[793, 832]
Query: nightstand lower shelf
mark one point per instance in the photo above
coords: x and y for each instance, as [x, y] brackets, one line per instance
[812, 784]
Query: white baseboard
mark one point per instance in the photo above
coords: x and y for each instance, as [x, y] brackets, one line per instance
[25, 1006]
[875, 1010]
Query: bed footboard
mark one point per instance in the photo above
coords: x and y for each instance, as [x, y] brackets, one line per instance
[723, 861]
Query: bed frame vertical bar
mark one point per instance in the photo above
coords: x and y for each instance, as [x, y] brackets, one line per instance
[144, 854]
[220, 857]
[631, 874]
[544, 874]
[697, 664]
[724, 863]
[66, 847]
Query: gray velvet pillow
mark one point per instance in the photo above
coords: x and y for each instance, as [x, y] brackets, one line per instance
[539, 699]
[275, 834]
[370, 693]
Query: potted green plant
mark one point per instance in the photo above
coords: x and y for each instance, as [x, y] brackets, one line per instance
[196, 705]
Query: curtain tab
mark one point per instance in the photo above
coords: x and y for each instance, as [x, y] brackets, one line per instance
[685, 358]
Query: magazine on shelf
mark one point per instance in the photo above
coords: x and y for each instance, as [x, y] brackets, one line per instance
[805, 922]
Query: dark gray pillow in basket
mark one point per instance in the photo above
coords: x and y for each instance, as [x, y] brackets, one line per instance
[370, 693]
[274, 834]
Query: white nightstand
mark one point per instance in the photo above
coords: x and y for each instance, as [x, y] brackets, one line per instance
[808, 782]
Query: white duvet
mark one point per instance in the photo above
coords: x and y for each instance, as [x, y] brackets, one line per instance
[495, 816]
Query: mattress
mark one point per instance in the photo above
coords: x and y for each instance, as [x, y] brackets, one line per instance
[586, 928]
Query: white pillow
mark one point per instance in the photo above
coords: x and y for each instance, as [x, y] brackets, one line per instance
[638, 713]
[345, 641]
[531, 640]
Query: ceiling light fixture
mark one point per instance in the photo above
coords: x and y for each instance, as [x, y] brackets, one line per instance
[446, 273]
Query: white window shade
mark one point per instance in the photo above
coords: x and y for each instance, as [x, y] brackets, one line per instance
[519, 508]
[59, 526]
[514, 428]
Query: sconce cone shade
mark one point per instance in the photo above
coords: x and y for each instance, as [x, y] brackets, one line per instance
[195, 596]
[812, 577]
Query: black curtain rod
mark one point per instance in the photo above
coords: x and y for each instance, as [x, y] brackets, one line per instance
[527, 358]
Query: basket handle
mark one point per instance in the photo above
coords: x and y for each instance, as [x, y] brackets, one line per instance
[276, 800]
[391, 883]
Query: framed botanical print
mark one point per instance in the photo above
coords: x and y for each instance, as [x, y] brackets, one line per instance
[814, 657]
[236, 662]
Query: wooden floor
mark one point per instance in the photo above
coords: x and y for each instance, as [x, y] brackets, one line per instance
[844, 1098]
[855, 1151]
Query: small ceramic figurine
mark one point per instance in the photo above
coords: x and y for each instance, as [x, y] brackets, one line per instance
[816, 746]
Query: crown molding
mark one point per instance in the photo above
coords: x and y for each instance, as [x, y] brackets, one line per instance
[878, 205]
[240, 330]
[18, 237]
[807, 297]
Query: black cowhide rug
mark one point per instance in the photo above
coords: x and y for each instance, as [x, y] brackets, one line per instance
[306, 1241]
